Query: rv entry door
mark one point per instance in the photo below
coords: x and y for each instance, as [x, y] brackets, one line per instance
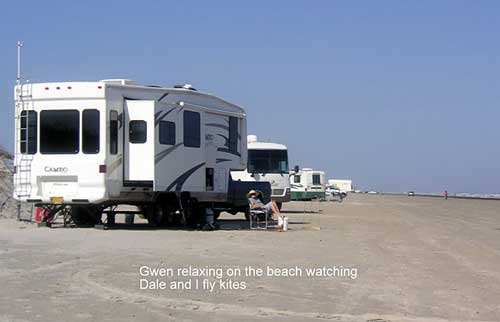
[139, 143]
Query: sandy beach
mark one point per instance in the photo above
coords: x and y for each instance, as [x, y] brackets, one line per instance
[416, 259]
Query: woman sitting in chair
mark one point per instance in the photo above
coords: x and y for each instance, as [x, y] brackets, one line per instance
[255, 203]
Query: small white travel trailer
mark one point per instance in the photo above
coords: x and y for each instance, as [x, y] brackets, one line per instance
[267, 162]
[342, 185]
[307, 184]
[97, 144]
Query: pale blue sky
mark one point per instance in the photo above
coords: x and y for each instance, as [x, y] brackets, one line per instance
[397, 95]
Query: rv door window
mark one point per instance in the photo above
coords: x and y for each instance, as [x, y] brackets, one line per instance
[192, 129]
[296, 179]
[137, 132]
[113, 132]
[90, 131]
[316, 180]
[233, 134]
[59, 132]
[28, 132]
[167, 132]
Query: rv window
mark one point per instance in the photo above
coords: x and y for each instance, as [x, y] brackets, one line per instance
[113, 132]
[90, 131]
[28, 132]
[233, 134]
[167, 132]
[268, 161]
[192, 129]
[296, 179]
[60, 132]
[137, 132]
[209, 179]
[316, 180]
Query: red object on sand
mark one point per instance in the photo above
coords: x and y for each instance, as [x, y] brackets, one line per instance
[40, 214]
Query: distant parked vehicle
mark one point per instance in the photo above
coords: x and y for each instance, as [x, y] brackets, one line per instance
[411, 193]
[372, 192]
[333, 191]
[341, 184]
[307, 184]
[267, 162]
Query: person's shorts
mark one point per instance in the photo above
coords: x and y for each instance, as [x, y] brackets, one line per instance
[269, 208]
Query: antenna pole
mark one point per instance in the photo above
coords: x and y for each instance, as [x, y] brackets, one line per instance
[19, 46]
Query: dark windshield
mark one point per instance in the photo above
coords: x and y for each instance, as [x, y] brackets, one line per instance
[268, 161]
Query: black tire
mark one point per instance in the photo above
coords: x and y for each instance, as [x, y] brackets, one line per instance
[192, 213]
[154, 214]
[159, 214]
[247, 213]
[86, 215]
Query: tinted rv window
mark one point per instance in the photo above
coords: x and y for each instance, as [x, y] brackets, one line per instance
[191, 129]
[296, 179]
[233, 134]
[137, 132]
[268, 161]
[28, 132]
[113, 132]
[90, 131]
[167, 132]
[316, 179]
[60, 132]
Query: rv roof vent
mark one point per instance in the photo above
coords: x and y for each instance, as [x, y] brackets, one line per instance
[252, 138]
[118, 81]
[186, 86]
[307, 169]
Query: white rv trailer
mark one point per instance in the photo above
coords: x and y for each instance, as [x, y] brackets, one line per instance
[342, 185]
[267, 162]
[307, 184]
[115, 142]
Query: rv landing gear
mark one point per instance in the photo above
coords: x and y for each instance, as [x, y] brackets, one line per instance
[209, 217]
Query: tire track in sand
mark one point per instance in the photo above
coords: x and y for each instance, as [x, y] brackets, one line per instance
[107, 292]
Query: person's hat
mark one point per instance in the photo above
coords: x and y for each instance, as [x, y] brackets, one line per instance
[251, 192]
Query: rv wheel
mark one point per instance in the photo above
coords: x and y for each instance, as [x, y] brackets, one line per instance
[156, 214]
[86, 215]
[193, 213]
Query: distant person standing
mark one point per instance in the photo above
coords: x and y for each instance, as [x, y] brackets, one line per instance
[446, 195]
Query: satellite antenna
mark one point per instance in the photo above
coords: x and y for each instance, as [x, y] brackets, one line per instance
[19, 46]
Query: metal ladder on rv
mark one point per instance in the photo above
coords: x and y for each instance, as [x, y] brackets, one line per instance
[22, 164]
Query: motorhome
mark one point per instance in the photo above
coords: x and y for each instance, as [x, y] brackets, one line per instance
[91, 145]
[307, 184]
[267, 162]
